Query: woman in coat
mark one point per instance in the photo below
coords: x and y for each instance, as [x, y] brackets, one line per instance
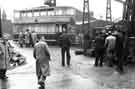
[42, 56]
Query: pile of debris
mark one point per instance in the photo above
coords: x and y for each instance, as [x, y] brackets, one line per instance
[15, 57]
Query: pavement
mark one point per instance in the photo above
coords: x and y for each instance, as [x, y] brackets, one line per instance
[80, 75]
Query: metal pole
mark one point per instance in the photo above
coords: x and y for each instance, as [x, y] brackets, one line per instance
[0, 25]
[108, 11]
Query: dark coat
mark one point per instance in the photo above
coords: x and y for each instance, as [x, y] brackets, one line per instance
[99, 43]
[119, 44]
[64, 41]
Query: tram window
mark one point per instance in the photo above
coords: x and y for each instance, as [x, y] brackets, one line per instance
[64, 12]
[24, 14]
[60, 28]
[59, 12]
[70, 12]
[36, 13]
[44, 13]
[50, 13]
[57, 28]
[17, 15]
[44, 28]
[29, 14]
[51, 28]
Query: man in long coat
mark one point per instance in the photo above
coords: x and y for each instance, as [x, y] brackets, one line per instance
[65, 43]
[27, 38]
[4, 59]
[42, 56]
[110, 43]
[99, 49]
[86, 41]
[120, 51]
[21, 39]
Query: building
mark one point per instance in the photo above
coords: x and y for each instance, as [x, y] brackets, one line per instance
[6, 26]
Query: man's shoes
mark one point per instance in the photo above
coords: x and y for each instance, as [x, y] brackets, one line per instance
[110, 65]
[68, 65]
[95, 65]
[120, 70]
[101, 65]
[63, 65]
[41, 83]
[42, 87]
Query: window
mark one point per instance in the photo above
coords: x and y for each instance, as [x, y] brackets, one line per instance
[44, 13]
[59, 12]
[50, 13]
[29, 14]
[70, 12]
[36, 13]
[24, 14]
[51, 28]
[17, 15]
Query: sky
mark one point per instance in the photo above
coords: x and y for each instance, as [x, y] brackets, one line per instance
[97, 6]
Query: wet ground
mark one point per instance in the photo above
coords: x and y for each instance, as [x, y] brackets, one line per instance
[81, 75]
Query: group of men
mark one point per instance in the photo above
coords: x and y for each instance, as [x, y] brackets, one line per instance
[109, 48]
[28, 38]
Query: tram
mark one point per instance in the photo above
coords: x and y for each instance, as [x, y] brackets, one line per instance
[47, 21]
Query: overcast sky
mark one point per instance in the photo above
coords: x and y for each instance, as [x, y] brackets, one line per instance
[97, 6]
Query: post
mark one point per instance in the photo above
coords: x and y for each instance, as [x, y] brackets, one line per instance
[0, 25]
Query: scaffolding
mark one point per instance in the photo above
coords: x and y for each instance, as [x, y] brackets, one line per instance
[108, 11]
[86, 13]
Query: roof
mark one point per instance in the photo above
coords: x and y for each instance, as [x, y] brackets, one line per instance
[44, 8]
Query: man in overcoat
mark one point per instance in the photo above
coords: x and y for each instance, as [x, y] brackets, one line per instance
[65, 43]
[27, 38]
[110, 43]
[42, 55]
[21, 39]
[120, 51]
[4, 59]
[99, 49]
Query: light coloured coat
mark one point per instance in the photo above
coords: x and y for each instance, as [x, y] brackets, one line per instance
[4, 56]
[42, 56]
[110, 42]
